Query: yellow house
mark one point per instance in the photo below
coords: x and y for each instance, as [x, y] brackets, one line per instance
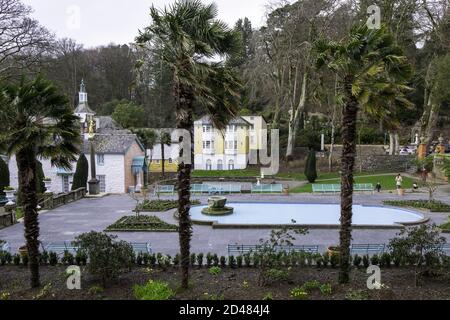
[170, 155]
[228, 149]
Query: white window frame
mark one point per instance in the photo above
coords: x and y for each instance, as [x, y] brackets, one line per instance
[100, 159]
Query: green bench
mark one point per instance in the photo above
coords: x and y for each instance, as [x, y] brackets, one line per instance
[336, 188]
[364, 187]
[215, 189]
[267, 188]
[61, 247]
[4, 246]
[165, 190]
[326, 188]
[367, 249]
[243, 249]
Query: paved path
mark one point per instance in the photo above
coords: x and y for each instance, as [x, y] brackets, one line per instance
[67, 222]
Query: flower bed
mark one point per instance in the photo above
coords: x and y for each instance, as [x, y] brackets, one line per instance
[433, 206]
[161, 205]
[142, 223]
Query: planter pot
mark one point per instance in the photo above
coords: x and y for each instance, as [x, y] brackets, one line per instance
[332, 251]
[10, 196]
[286, 191]
[23, 251]
[48, 186]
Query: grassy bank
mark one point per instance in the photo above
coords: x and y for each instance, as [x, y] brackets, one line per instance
[387, 183]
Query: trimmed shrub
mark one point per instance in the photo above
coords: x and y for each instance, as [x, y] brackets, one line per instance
[80, 178]
[4, 176]
[311, 167]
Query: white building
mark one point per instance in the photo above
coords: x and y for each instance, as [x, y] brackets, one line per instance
[120, 157]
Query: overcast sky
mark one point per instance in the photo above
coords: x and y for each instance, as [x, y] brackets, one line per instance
[100, 22]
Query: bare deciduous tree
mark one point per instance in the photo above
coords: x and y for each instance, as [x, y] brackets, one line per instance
[23, 41]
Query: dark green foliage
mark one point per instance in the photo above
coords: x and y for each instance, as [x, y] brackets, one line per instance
[232, 262]
[366, 261]
[161, 205]
[239, 261]
[53, 259]
[209, 259]
[385, 260]
[68, 259]
[142, 223]
[223, 261]
[215, 260]
[107, 257]
[16, 259]
[326, 259]
[247, 260]
[176, 260]
[311, 167]
[193, 259]
[81, 175]
[25, 260]
[4, 175]
[81, 258]
[433, 206]
[357, 260]
[375, 260]
[200, 260]
[5, 258]
[334, 260]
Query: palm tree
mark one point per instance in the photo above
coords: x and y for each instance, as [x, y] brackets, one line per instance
[165, 140]
[36, 123]
[373, 73]
[185, 36]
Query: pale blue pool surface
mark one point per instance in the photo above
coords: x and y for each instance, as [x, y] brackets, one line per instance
[307, 215]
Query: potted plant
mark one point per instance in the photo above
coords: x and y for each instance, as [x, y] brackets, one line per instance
[9, 192]
[334, 250]
[48, 184]
[23, 251]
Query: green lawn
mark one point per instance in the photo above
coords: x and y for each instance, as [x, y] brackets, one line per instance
[387, 183]
[300, 176]
[226, 174]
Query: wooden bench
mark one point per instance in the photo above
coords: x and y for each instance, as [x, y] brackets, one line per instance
[4, 246]
[367, 249]
[165, 190]
[267, 188]
[243, 249]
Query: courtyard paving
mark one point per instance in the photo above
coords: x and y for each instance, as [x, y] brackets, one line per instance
[65, 223]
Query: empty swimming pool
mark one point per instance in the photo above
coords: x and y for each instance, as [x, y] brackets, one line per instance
[309, 215]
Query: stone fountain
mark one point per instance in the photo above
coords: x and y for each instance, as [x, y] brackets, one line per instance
[217, 207]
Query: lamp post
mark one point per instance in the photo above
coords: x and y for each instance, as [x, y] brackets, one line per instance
[94, 183]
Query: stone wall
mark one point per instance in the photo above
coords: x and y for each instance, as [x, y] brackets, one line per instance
[369, 158]
[386, 163]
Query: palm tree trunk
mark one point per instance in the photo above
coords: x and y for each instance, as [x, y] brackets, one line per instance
[184, 114]
[350, 114]
[26, 163]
